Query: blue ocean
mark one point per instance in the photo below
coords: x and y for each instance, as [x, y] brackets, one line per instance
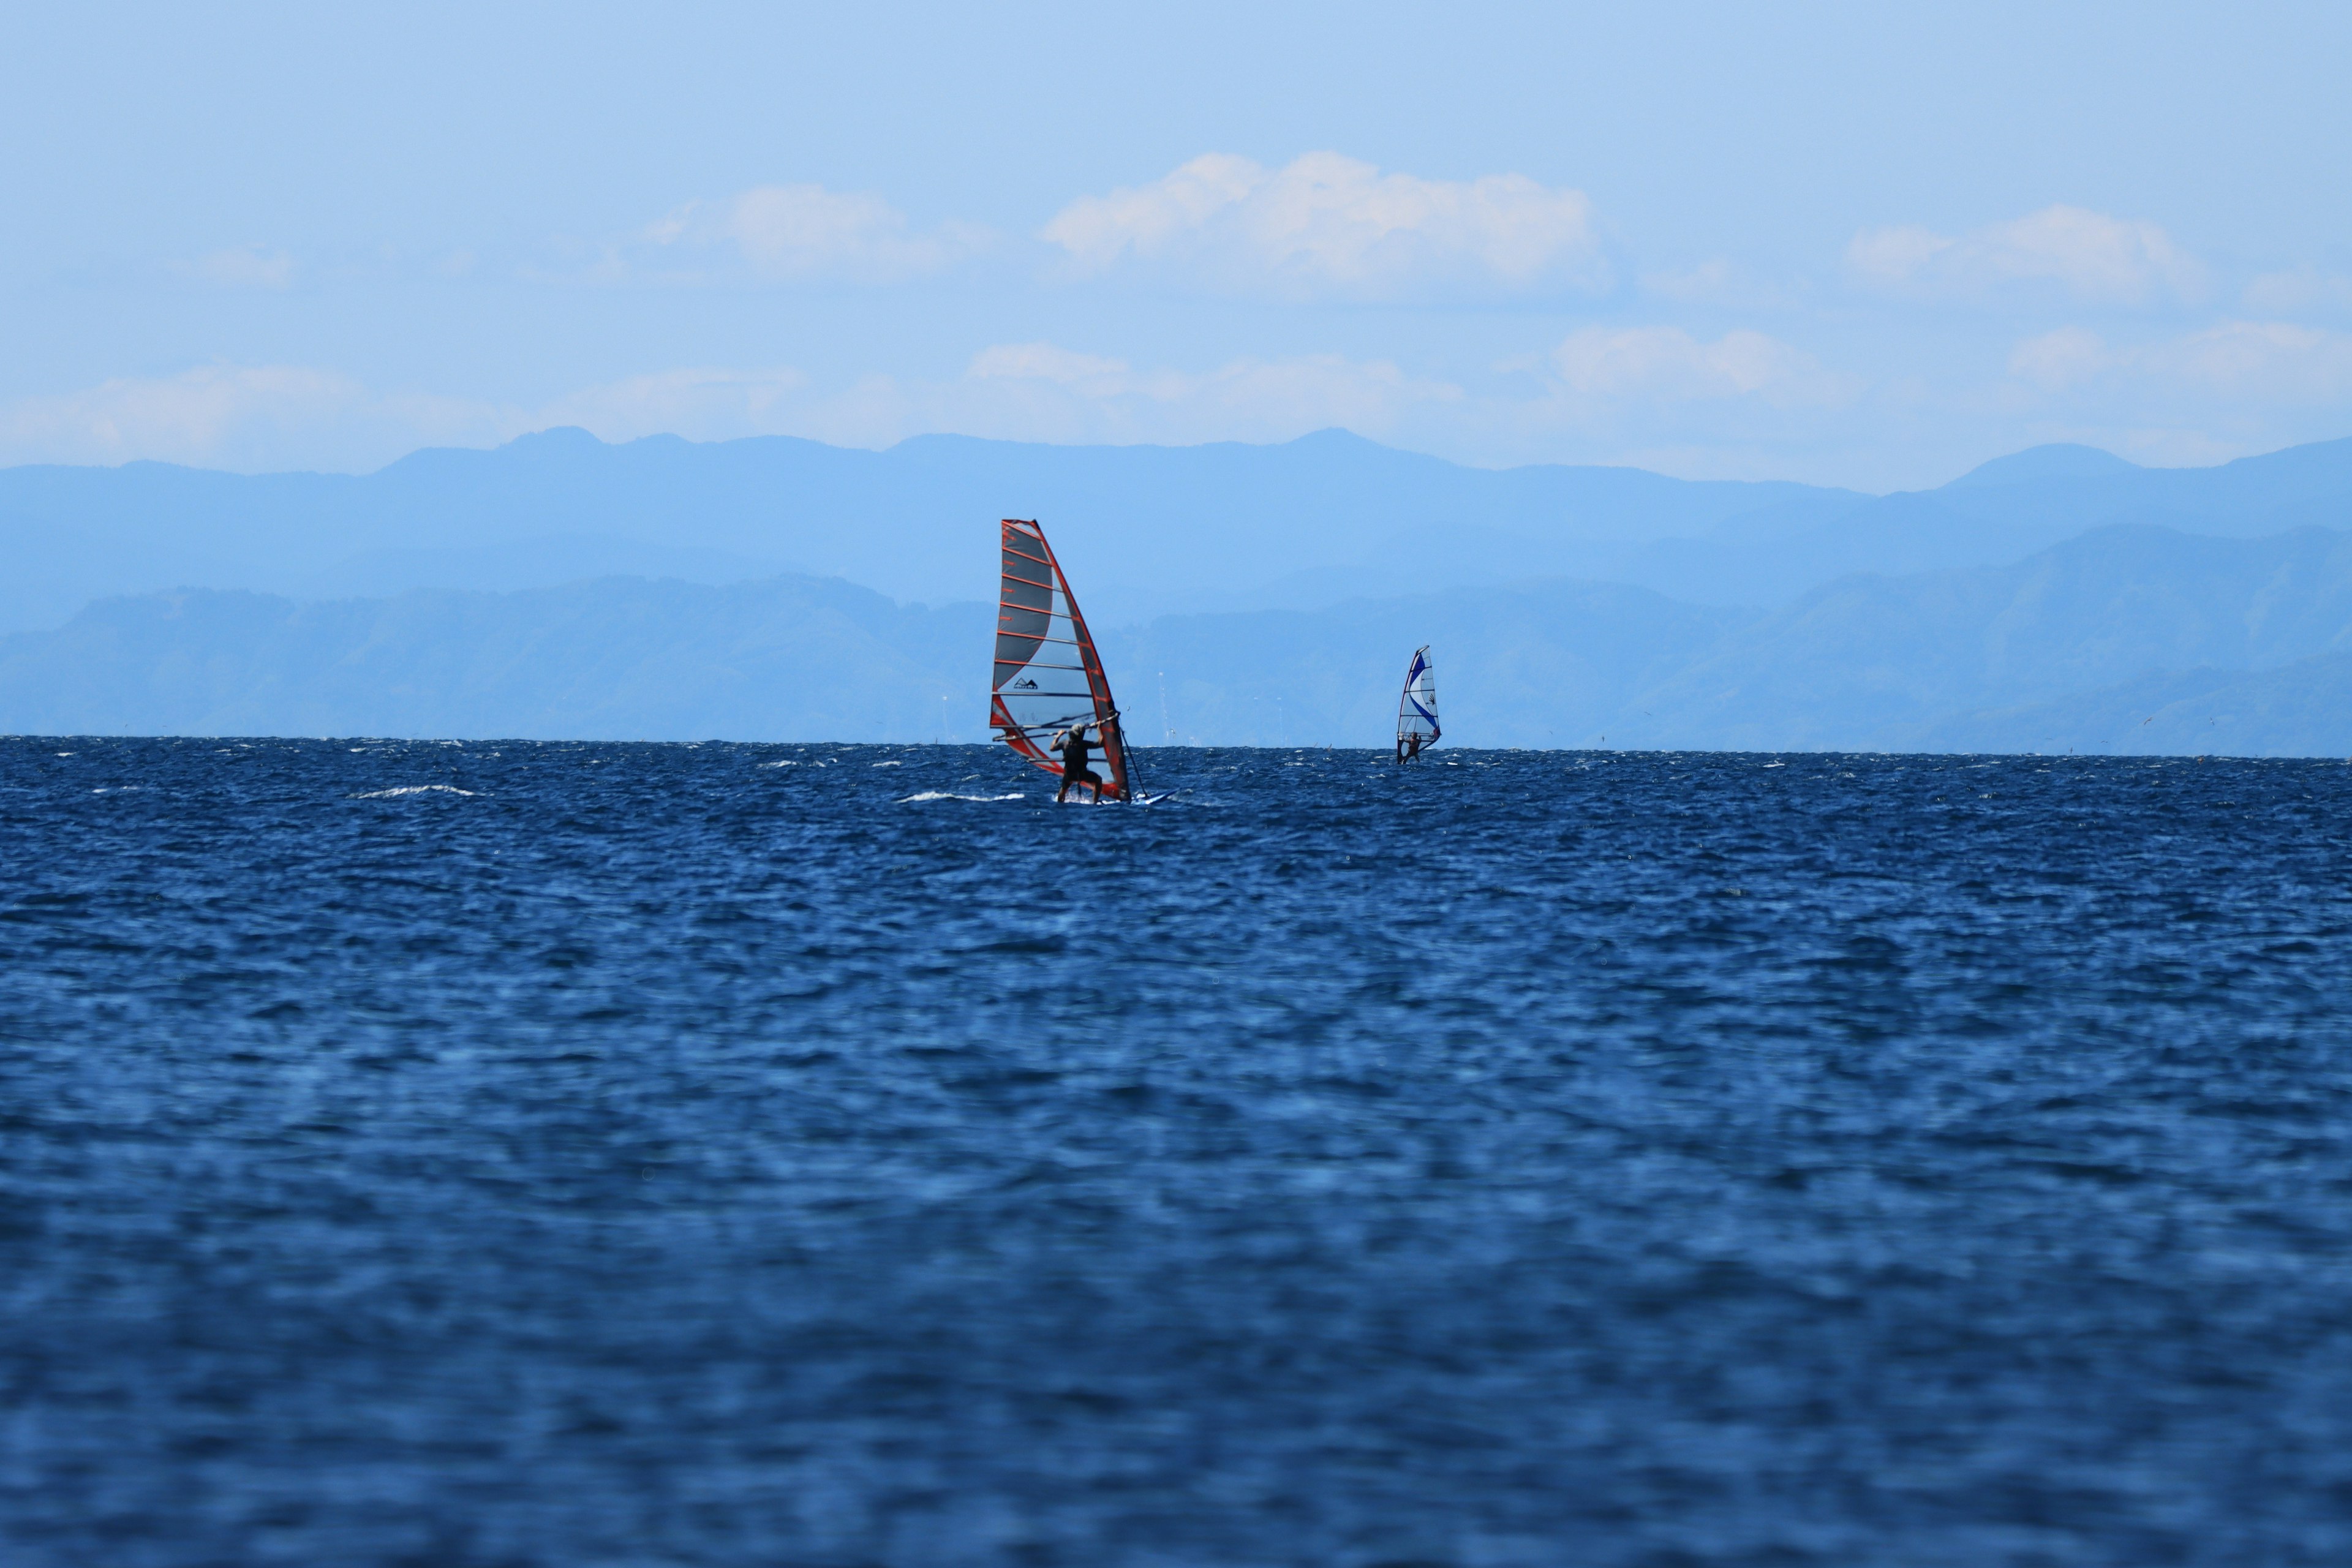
[585, 1154]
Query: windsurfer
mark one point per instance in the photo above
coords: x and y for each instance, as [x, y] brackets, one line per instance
[1409, 747]
[1073, 745]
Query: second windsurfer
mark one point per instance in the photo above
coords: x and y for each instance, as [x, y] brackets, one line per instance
[1073, 744]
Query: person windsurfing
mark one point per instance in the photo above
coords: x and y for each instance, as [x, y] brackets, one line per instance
[1417, 707]
[1074, 746]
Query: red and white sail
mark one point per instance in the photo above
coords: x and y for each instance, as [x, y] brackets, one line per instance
[1047, 675]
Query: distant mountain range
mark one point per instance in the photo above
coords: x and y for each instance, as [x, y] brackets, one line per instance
[1148, 530]
[791, 658]
[2133, 637]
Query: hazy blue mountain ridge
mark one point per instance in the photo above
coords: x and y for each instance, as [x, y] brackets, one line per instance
[1273, 592]
[1999, 512]
[1154, 528]
[2003, 657]
[1875, 661]
[1534, 663]
[2296, 709]
[2057, 460]
[1149, 530]
[614, 658]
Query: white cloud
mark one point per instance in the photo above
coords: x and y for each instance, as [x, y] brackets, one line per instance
[1041, 392]
[1326, 224]
[1717, 282]
[2062, 359]
[1893, 257]
[1044, 362]
[2241, 363]
[702, 403]
[1667, 365]
[276, 417]
[791, 233]
[2270, 362]
[240, 416]
[2094, 257]
[1741, 402]
[2300, 289]
[241, 266]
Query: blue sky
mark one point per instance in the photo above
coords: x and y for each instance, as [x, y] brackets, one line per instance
[1841, 244]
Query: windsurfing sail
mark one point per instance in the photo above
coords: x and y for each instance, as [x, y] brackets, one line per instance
[1417, 709]
[1048, 676]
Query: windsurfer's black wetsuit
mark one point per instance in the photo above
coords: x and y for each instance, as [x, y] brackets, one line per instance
[1074, 764]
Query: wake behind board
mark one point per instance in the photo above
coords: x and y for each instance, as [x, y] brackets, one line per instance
[1140, 797]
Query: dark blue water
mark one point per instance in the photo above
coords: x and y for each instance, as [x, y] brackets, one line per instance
[738, 1155]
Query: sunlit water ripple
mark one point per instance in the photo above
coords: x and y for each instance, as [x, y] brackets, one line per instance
[600, 1154]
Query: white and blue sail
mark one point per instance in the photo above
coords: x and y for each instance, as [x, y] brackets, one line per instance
[1417, 707]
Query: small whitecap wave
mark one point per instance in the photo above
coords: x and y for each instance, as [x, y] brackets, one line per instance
[412, 789]
[951, 794]
[890, 764]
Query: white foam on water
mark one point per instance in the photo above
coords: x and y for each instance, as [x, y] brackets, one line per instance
[890, 764]
[951, 794]
[412, 789]
[782, 764]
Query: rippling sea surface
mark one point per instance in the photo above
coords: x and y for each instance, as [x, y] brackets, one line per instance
[603, 1154]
